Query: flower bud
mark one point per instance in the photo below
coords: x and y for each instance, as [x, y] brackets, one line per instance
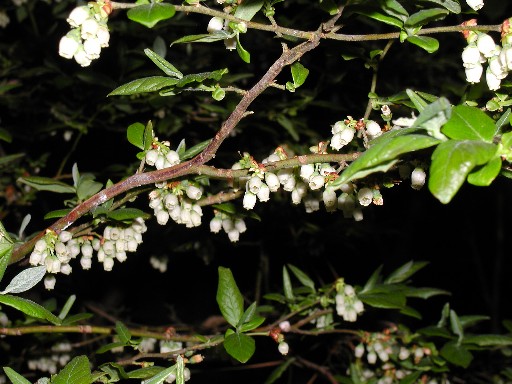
[215, 24]
[249, 200]
[373, 129]
[474, 74]
[365, 196]
[49, 282]
[418, 177]
[162, 217]
[68, 46]
[79, 15]
[316, 181]
[89, 28]
[92, 48]
[283, 348]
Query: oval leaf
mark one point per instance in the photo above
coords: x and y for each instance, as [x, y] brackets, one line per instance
[15, 377]
[384, 152]
[146, 84]
[469, 123]
[425, 16]
[46, 184]
[452, 161]
[429, 44]
[25, 280]
[29, 308]
[77, 371]
[484, 176]
[229, 298]
[150, 14]
[240, 346]
[164, 65]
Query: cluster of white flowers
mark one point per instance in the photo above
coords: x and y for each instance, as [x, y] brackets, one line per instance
[161, 156]
[56, 251]
[89, 33]
[348, 305]
[343, 134]
[171, 203]
[481, 48]
[232, 226]
[50, 364]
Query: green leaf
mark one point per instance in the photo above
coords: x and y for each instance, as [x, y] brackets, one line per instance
[383, 300]
[150, 14]
[144, 373]
[456, 325]
[394, 8]
[254, 323]
[488, 341]
[373, 280]
[287, 285]
[123, 332]
[196, 149]
[9, 158]
[456, 354]
[73, 319]
[77, 371]
[383, 152]
[200, 77]
[146, 84]
[204, 37]
[248, 314]
[5, 135]
[67, 306]
[428, 43]
[248, 9]
[25, 280]
[123, 214]
[287, 124]
[164, 65]
[57, 213]
[404, 272]
[180, 367]
[299, 74]
[452, 161]
[469, 123]
[162, 375]
[302, 277]
[434, 116]
[135, 135]
[242, 52]
[229, 298]
[46, 184]
[377, 14]
[87, 188]
[470, 320]
[451, 5]
[107, 347]
[418, 101]
[485, 175]
[433, 331]
[425, 16]
[426, 293]
[240, 346]
[29, 308]
[15, 377]
[6, 248]
[503, 120]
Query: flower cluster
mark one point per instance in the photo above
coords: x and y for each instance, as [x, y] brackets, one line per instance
[51, 364]
[391, 354]
[89, 33]
[56, 251]
[482, 49]
[232, 225]
[348, 305]
[160, 156]
[177, 201]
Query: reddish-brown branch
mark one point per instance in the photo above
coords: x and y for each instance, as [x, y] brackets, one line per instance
[288, 57]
